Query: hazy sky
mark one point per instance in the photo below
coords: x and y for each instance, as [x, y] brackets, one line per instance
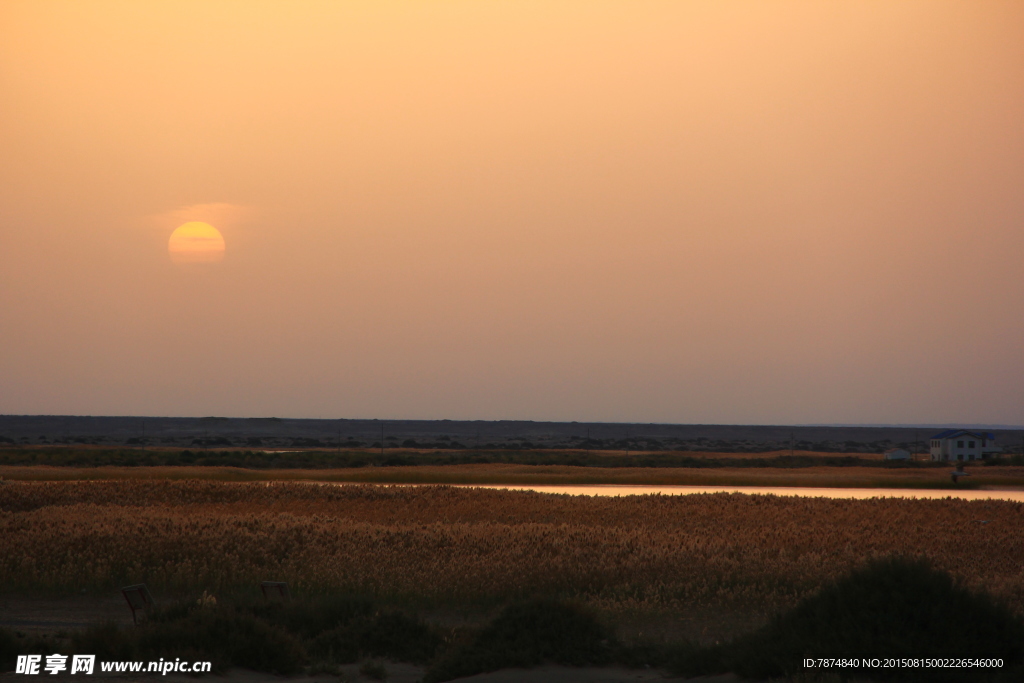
[699, 212]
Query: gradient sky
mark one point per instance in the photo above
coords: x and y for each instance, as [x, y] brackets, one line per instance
[697, 212]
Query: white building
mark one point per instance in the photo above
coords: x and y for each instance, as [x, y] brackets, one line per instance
[963, 444]
[897, 454]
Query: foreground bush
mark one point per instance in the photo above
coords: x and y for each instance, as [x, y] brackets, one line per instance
[13, 644]
[276, 638]
[891, 608]
[528, 634]
[388, 634]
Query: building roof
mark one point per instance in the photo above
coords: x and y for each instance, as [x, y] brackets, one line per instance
[953, 433]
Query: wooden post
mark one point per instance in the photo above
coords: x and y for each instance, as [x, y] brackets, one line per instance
[139, 599]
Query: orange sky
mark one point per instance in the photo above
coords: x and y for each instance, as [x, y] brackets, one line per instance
[699, 212]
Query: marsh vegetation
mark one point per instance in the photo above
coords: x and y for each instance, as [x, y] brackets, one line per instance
[445, 545]
[374, 566]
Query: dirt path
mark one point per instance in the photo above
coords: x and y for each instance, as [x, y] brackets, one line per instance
[405, 673]
[51, 615]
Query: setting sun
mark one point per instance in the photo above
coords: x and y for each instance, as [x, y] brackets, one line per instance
[196, 242]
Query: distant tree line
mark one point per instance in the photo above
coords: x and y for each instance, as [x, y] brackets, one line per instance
[327, 459]
[445, 442]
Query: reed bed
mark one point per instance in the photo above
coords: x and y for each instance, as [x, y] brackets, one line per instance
[440, 545]
[921, 475]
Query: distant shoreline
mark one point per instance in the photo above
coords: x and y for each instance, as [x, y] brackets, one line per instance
[1007, 478]
[307, 434]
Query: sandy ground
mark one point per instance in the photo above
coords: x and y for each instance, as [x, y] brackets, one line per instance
[50, 615]
[405, 673]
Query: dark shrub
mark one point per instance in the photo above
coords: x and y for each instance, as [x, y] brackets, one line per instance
[13, 644]
[309, 618]
[108, 642]
[224, 636]
[10, 647]
[528, 634]
[389, 634]
[892, 608]
[228, 637]
[374, 671]
[8, 650]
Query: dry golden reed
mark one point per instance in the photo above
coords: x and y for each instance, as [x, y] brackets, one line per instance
[445, 545]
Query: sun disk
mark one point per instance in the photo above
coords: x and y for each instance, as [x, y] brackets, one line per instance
[196, 242]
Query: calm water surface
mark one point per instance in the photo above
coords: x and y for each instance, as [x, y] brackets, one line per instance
[616, 490]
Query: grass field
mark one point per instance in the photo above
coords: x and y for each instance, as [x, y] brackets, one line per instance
[857, 477]
[461, 580]
[469, 547]
[522, 467]
[330, 459]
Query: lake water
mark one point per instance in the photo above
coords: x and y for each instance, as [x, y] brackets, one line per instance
[617, 490]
